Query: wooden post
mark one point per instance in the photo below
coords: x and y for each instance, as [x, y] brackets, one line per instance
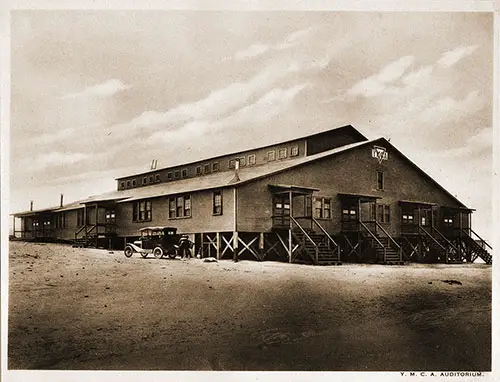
[261, 245]
[201, 246]
[290, 229]
[235, 246]
[217, 240]
[14, 226]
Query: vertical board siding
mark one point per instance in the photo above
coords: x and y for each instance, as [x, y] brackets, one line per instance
[201, 220]
[354, 172]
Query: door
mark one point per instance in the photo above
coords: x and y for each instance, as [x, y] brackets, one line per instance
[350, 213]
[281, 211]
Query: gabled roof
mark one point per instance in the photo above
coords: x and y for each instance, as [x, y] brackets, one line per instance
[350, 128]
[227, 179]
[66, 207]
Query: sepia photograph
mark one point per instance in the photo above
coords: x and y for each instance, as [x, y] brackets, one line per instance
[248, 189]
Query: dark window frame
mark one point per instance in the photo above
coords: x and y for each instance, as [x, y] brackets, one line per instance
[282, 150]
[380, 180]
[217, 203]
[294, 151]
[179, 207]
[324, 211]
[271, 155]
[142, 211]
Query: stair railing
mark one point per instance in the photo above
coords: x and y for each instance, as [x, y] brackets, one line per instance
[307, 237]
[79, 231]
[374, 237]
[391, 239]
[448, 242]
[483, 242]
[431, 237]
[335, 245]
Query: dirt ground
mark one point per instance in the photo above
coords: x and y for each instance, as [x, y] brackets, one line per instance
[72, 308]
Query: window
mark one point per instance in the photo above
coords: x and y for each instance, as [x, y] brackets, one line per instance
[383, 213]
[206, 168]
[79, 218]
[169, 176]
[157, 178]
[251, 159]
[322, 208]
[407, 219]
[151, 179]
[128, 183]
[122, 185]
[142, 211]
[217, 203]
[145, 180]
[271, 155]
[179, 207]
[281, 153]
[380, 180]
[215, 167]
[448, 222]
[134, 183]
[184, 173]
[110, 217]
[232, 163]
[198, 170]
[349, 213]
[177, 174]
[242, 161]
[294, 151]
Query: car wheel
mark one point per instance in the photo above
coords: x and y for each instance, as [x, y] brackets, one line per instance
[158, 252]
[128, 251]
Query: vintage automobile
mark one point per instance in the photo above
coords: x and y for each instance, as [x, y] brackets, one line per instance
[160, 241]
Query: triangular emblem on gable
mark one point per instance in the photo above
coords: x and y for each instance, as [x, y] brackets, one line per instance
[380, 153]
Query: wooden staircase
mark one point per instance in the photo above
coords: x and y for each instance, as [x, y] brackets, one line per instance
[318, 246]
[387, 250]
[85, 237]
[446, 250]
[476, 249]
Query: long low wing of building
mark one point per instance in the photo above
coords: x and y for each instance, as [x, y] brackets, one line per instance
[325, 198]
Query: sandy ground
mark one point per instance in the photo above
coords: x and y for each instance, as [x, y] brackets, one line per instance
[75, 308]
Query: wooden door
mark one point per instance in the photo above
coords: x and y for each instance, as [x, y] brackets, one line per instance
[281, 211]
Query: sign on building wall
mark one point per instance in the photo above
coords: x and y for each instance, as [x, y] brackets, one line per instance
[380, 153]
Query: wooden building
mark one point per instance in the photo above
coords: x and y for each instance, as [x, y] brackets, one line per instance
[324, 198]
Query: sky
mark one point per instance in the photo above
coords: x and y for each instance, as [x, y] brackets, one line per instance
[96, 95]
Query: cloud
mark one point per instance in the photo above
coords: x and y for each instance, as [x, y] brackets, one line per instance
[105, 89]
[416, 77]
[270, 105]
[56, 158]
[448, 108]
[252, 51]
[290, 41]
[382, 82]
[218, 102]
[450, 58]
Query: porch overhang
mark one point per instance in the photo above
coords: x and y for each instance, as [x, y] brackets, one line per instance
[417, 203]
[287, 188]
[362, 198]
